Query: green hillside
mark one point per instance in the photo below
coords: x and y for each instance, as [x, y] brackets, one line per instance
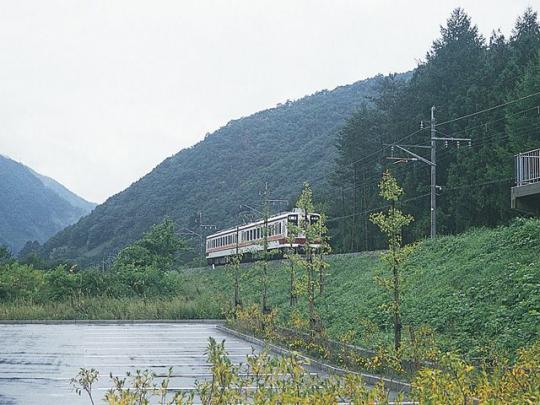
[34, 207]
[479, 290]
[283, 146]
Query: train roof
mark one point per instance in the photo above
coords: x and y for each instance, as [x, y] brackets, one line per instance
[280, 215]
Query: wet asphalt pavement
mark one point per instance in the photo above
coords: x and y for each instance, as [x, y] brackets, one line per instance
[37, 361]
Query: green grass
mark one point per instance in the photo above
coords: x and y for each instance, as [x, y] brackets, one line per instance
[114, 308]
[478, 291]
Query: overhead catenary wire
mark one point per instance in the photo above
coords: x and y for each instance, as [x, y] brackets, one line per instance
[381, 150]
[502, 135]
[488, 109]
[490, 122]
[331, 219]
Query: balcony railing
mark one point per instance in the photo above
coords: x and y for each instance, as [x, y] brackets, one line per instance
[528, 167]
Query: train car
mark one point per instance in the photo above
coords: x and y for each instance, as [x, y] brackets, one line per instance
[248, 239]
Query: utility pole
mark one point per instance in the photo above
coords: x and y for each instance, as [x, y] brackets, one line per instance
[266, 214]
[432, 162]
[204, 227]
[353, 229]
[364, 208]
[433, 205]
[200, 234]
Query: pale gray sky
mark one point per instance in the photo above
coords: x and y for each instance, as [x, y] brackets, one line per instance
[96, 93]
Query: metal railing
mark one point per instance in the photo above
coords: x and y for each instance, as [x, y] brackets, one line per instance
[528, 167]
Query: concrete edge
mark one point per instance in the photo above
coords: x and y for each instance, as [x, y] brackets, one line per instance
[370, 379]
[108, 321]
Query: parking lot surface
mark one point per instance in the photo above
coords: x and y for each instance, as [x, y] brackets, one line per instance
[37, 361]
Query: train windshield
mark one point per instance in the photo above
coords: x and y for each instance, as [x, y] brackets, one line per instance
[293, 219]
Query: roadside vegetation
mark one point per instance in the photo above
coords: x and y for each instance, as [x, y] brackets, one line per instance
[264, 379]
[478, 292]
[142, 284]
[467, 305]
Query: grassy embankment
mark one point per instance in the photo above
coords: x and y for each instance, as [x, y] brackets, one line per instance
[478, 291]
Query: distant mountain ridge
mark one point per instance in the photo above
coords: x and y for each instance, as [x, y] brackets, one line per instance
[34, 207]
[64, 193]
[282, 146]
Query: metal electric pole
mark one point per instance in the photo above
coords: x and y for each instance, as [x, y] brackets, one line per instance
[433, 205]
[203, 228]
[432, 162]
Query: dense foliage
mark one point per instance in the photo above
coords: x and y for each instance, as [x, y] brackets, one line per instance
[33, 207]
[142, 283]
[462, 74]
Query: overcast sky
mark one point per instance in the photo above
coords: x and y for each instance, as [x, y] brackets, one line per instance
[96, 93]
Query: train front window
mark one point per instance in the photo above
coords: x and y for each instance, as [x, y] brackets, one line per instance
[293, 219]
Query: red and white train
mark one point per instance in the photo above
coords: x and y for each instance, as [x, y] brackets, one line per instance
[248, 239]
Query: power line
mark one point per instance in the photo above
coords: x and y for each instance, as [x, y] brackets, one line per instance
[484, 124]
[375, 209]
[478, 184]
[489, 109]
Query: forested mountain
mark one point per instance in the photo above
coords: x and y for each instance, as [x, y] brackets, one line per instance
[66, 194]
[487, 90]
[282, 146]
[462, 75]
[34, 207]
